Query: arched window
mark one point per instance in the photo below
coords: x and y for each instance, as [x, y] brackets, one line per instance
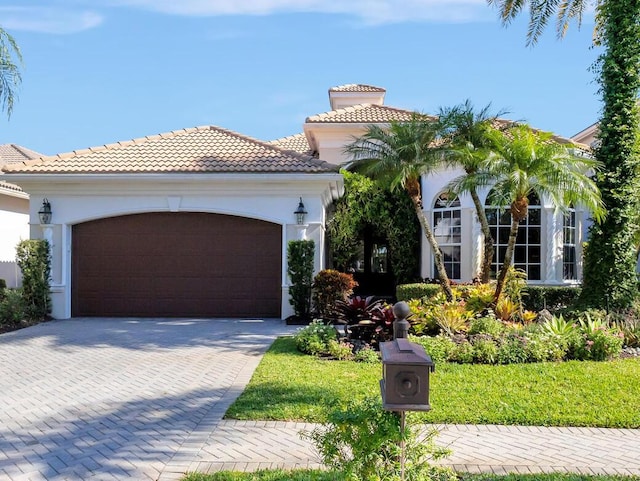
[527, 255]
[448, 234]
[569, 245]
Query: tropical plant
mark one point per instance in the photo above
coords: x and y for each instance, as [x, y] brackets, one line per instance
[560, 327]
[464, 130]
[328, 287]
[609, 275]
[397, 157]
[10, 79]
[365, 319]
[526, 162]
[452, 317]
[300, 255]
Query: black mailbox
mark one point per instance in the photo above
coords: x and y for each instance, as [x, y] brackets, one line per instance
[405, 376]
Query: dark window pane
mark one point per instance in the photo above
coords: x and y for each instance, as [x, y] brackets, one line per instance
[522, 236]
[455, 274]
[534, 255]
[503, 236]
[520, 254]
[533, 273]
[492, 216]
[533, 236]
[505, 217]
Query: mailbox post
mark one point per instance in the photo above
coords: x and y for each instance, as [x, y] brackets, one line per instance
[406, 367]
[405, 376]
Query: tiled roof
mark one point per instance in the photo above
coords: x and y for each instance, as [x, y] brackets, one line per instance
[356, 88]
[6, 186]
[297, 143]
[363, 114]
[11, 154]
[14, 154]
[198, 149]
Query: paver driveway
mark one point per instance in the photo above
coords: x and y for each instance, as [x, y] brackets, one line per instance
[104, 399]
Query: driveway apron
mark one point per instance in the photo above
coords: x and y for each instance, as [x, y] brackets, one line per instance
[105, 399]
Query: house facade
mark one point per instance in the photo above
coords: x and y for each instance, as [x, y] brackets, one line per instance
[14, 213]
[196, 222]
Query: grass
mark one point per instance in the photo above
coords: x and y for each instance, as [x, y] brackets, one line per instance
[316, 475]
[291, 386]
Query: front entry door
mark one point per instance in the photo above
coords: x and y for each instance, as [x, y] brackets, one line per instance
[372, 269]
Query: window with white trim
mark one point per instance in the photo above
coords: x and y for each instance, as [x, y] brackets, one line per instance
[569, 271]
[527, 255]
[447, 230]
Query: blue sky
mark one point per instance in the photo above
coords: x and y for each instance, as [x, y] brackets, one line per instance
[100, 71]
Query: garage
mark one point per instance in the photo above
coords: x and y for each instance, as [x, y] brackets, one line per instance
[176, 264]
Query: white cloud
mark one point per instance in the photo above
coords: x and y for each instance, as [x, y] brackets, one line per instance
[368, 11]
[48, 19]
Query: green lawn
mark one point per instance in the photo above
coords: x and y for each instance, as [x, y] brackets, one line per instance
[291, 386]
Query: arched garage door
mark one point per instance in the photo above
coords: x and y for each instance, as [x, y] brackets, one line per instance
[169, 264]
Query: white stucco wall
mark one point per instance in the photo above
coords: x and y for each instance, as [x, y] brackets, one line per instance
[269, 197]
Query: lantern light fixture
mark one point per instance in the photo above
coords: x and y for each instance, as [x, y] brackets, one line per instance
[300, 213]
[45, 212]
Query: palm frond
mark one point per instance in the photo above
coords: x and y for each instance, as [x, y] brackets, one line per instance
[10, 79]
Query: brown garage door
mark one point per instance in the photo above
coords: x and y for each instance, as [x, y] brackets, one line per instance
[176, 264]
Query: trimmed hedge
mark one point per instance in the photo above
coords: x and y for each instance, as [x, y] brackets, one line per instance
[553, 298]
[406, 292]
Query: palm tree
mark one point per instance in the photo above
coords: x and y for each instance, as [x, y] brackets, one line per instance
[397, 157]
[610, 260]
[465, 131]
[526, 162]
[10, 79]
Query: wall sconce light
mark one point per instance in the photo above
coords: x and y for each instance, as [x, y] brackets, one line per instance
[300, 213]
[45, 212]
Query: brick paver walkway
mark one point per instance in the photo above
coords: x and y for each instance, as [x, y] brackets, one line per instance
[118, 399]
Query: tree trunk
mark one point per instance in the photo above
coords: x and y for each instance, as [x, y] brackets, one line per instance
[416, 198]
[488, 251]
[508, 257]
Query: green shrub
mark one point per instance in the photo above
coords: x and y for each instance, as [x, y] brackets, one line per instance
[485, 350]
[340, 350]
[300, 255]
[367, 355]
[463, 353]
[314, 339]
[362, 441]
[440, 348]
[552, 298]
[512, 349]
[598, 345]
[406, 292]
[12, 309]
[328, 287]
[486, 325]
[34, 259]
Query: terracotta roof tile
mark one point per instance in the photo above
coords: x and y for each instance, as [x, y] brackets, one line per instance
[363, 114]
[296, 143]
[199, 149]
[12, 153]
[356, 88]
